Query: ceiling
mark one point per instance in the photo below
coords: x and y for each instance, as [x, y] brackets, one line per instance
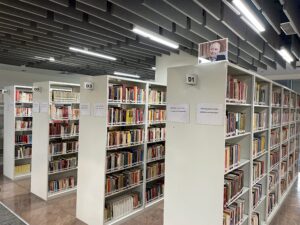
[47, 28]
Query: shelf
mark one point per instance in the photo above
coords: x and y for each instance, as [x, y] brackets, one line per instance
[23, 102]
[61, 171]
[64, 103]
[123, 146]
[124, 167]
[23, 130]
[60, 154]
[274, 166]
[260, 130]
[124, 103]
[61, 192]
[285, 141]
[156, 141]
[24, 158]
[155, 159]
[261, 106]
[23, 116]
[63, 136]
[259, 202]
[237, 104]
[156, 122]
[21, 144]
[259, 154]
[155, 178]
[237, 196]
[237, 136]
[157, 104]
[274, 187]
[275, 146]
[240, 164]
[154, 200]
[276, 106]
[284, 158]
[123, 189]
[259, 179]
[52, 120]
[275, 126]
[245, 218]
[125, 125]
[124, 216]
[285, 124]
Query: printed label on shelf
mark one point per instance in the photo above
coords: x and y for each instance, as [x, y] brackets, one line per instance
[36, 107]
[85, 109]
[178, 113]
[99, 109]
[210, 114]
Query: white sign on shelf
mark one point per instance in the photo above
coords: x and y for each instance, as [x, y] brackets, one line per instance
[178, 113]
[36, 107]
[44, 107]
[85, 109]
[99, 109]
[210, 114]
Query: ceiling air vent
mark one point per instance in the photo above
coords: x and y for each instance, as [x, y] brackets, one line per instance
[287, 28]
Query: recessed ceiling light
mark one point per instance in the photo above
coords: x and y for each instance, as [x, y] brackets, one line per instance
[126, 74]
[87, 52]
[153, 68]
[285, 55]
[51, 59]
[155, 37]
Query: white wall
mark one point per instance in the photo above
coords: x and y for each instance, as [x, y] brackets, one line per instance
[166, 61]
[16, 75]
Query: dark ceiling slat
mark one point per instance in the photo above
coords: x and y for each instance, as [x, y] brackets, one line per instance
[47, 5]
[158, 46]
[269, 62]
[16, 33]
[245, 64]
[254, 40]
[139, 49]
[166, 11]
[259, 64]
[213, 7]
[189, 8]
[98, 4]
[137, 8]
[291, 9]
[232, 57]
[79, 41]
[64, 3]
[125, 48]
[179, 39]
[245, 57]
[268, 52]
[271, 11]
[270, 36]
[295, 46]
[249, 49]
[234, 50]
[15, 20]
[279, 60]
[102, 15]
[149, 48]
[189, 35]
[202, 31]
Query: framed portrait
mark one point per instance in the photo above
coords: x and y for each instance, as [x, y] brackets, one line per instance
[213, 51]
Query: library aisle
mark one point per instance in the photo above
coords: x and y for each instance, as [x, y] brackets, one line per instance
[61, 211]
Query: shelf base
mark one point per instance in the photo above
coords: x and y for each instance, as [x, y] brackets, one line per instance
[61, 193]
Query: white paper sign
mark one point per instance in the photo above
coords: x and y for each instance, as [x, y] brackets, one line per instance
[85, 109]
[178, 113]
[99, 109]
[44, 107]
[210, 114]
[36, 107]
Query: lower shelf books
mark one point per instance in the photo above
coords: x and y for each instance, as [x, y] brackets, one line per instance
[62, 164]
[234, 214]
[22, 169]
[275, 117]
[121, 206]
[233, 185]
[259, 144]
[256, 194]
[284, 150]
[23, 152]
[125, 137]
[125, 116]
[285, 116]
[63, 112]
[63, 128]
[155, 170]
[273, 179]
[284, 133]
[21, 124]
[62, 184]
[283, 186]
[283, 168]
[119, 160]
[258, 169]
[122, 180]
[154, 191]
[56, 148]
[255, 218]
[260, 120]
[290, 177]
[156, 115]
[275, 137]
[21, 111]
[235, 123]
[65, 96]
[274, 158]
[156, 133]
[155, 152]
[272, 201]
[232, 155]
[23, 139]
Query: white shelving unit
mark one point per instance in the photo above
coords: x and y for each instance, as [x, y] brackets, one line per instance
[55, 148]
[195, 163]
[17, 140]
[95, 151]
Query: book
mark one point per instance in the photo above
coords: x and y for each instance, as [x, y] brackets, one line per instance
[283, 186]
[155, 170]
[257, 192]
[259, 144]
[237, 90]
[23, 111]
[285, 116]
[126, 94]
[233, 185]
[23, 96]
[275, 117]
[286, 99]
[258, 169]
[125, 137]
[156, 96]
[156, 134]
[255, 218]
[63, 112]
[285, 133]
[123, 116]
[154, 191]
[273, 179]
[156, 115]
[23, 139]
[62, 164]
[63, 147]
[155, 151]
[59, 96]
[61, 184]
[234, 214]
[235, 123]
[274, 157]
[275, 137]
[261, 93]
[63, 128]
[272, 201]
[22, 169]
[283, 169]
[23, 124]
[23, 152]
[232, 155]
[260, 120]
[276, 97]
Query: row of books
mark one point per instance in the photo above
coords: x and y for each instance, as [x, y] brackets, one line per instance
[285, 132]
[22, 169]
[260, 95]
[272, 201]
[286, 98]
[62, 164]
[156, 134]
[291, 160]
[258, 169]
[259, 144]
[121, 206]
[22, 111]
[276, 97]
[125, 116]
[23, 139]
[153, 191]
[157, 97]
[126, 94]
[298, 115]
[273, 179]
[284, 150]
[22, 96]
[283, 168]
[156, 115]
[275, 137]
[232, 155]
[122, 180]
[119, 160]
[292, 115]
[274, 158]
[23, 152]
[283, 186]
[234, 214]
[155, 169]
[260, 120]
[293, 101]
[275, 117]
[21, 124]
[63, 129]
[233, 185]
[285, 116]
[255, 218]
[56, 148]
[125, 137]
[155, 151]
[235, 123]
[62, 184]
[256, 194]
[65, 96]
[236, 90]
[64, 112]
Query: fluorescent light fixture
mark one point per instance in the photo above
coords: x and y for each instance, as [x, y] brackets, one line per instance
[154, 37]
[244, 9]
[153, 68]
[87, 52]
[250, 24]
[51, 59]
[126, 74]
[285, 55]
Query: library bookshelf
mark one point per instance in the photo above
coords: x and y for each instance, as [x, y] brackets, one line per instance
[261, 147]
[56, 133]
[125, 121]
[17, 132]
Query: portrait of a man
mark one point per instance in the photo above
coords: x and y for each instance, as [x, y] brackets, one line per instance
[213, 51]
